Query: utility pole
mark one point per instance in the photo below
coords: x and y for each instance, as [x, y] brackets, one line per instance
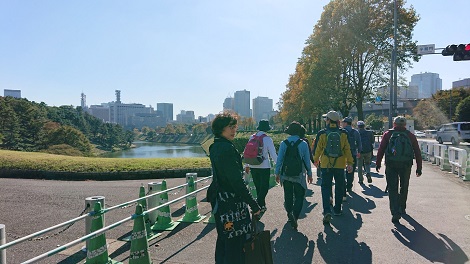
[393, 70]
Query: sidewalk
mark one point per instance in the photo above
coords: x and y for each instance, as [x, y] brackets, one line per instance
[436, 230]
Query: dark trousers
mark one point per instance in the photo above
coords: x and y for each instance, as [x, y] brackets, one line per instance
[326, 188]
[397, 174]
[228, 251]
[294, 196]
[261, 181]
[350, 176]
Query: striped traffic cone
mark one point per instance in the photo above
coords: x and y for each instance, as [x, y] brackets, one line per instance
[139, 244]
[97, 251]
[210, 220]
[164, 221]
[251, 186]
[191, 214]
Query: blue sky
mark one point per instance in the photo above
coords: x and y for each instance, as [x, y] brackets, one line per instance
[193, 54]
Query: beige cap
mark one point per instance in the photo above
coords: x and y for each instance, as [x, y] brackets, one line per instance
[333, 116]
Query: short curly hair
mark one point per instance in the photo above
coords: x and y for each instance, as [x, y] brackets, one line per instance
[221, 121]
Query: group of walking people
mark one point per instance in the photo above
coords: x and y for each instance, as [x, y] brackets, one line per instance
[336, 152]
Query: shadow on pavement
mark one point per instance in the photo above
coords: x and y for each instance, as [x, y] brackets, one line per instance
[292, 247]
[360, 204]
[435, 249]
[374, 191]
[341, 246]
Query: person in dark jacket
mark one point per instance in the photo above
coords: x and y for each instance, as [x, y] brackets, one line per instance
[230, 208]
[398, 173]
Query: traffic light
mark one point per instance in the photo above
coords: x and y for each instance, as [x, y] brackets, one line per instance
[460, 52]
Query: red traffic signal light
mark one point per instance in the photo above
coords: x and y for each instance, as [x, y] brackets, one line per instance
[462, 52]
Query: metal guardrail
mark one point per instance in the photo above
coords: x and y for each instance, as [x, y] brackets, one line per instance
[100, 231]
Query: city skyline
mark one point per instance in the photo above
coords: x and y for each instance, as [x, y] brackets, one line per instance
[191, 54]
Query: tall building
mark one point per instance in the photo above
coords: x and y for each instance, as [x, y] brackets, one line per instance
[262, 108]
[228, 103]
[12, 93]
[241, 103]
[428, 83]
[186, 117]
[465, 83]
[167, 111]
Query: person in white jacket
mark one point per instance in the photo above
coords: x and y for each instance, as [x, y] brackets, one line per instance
[261, 173]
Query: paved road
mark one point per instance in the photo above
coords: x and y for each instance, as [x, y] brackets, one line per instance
[436, 230]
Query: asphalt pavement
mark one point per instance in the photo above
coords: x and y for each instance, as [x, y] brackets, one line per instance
[436, 229]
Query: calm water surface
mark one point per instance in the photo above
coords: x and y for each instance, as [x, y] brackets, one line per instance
[159, 150]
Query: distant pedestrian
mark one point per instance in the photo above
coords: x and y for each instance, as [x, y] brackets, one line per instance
[399, 146]
[334, 154]
[367, 141]
[230, 205]
[355, 144]
[262, 172]
[292, 167]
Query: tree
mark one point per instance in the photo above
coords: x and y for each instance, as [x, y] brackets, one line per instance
[348, 56]
[463, 110]
[447, 100]
[375, 122]
[428, 114]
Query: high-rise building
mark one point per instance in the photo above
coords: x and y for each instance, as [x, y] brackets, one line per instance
[12, 93]
[167, 111]
[428, 83]
[262, 108]
[186, 117]
[465, 83]
[228, 103]
[241, 103]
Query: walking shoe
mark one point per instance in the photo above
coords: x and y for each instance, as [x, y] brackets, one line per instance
[369, 178]
[395, 219]
[292, 220]
[326, 218]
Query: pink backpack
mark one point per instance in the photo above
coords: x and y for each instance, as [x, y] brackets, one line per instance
[253, 153]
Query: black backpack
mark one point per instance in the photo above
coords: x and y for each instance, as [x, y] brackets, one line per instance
[365, 140]
[292, 164]
[399, 147]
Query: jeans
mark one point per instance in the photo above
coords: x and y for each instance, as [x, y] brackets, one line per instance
[397, 174]
[364, 160]
[326, 189]
[350, 176]
[294, 196]
[261, 181]
[228, 250]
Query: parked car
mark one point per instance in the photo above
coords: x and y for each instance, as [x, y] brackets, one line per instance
[430, 133]
[420, 134]
[454, 132]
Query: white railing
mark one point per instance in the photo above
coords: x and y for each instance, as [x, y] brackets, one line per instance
[450, 158]
[458, 160]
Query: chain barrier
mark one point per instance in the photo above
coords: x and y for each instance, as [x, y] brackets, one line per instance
[132, 204]
[48, 236]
